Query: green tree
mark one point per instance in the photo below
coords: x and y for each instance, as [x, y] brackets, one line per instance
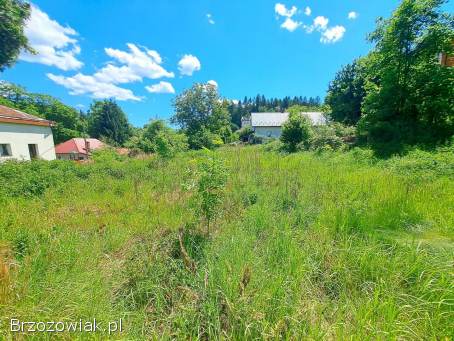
[211, 182]
[154, 128]
[13, 15]
[297, 130]
[169, 143]
[164, 140]
[157, 137]
[346, 94]
[108, 121]
[203, 116]
[410, 96]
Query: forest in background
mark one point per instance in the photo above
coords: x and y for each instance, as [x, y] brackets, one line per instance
[395, 98]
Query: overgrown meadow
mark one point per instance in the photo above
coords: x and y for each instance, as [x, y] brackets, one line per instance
[301, 246]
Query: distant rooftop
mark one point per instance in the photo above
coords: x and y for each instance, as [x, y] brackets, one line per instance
[277, 119]
[78, 145]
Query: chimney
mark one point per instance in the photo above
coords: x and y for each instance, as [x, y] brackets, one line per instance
[87, 146]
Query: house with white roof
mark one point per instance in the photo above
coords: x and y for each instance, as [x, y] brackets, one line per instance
[269, 124]
[24, 136]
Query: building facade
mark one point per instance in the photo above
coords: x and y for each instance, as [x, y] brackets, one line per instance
[269, 125]
[25, 137]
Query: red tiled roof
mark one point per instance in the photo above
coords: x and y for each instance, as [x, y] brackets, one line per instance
[10, 115]
[77, 145]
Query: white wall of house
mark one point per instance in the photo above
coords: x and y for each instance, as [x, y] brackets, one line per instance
[19, 136]
[74, 156]
[270, 132]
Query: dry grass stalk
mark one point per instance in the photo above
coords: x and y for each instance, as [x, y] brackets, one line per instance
[5, 274]
[188, 262]
[245, 279]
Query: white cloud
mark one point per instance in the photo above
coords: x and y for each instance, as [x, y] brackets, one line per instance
[213, 83]
[55, 44]
[128, 66]
[281, 10]
[155, 55]
[328, 34]
[138, 64]
[353, 15]
[210, 19]
[321, 23]
[117, 74]
[188, 65]
[161, 88]
[332, 34]
[81, 84]
[290, 25]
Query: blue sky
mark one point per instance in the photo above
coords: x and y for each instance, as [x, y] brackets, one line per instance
[141, 51]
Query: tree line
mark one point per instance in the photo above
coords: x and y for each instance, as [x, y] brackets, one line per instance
[260, 103]
[399, 95]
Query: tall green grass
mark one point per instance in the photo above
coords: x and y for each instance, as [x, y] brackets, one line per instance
[304, 246]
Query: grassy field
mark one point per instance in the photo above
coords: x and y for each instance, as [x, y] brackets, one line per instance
[305, 246]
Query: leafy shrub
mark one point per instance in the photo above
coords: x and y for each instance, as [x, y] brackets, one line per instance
[257, 139]
[427, 164]
[273, 146]
[246, 134]
[204, 138]
[209, 180]
[33, 178]
[296, 131]
[334, 136]
[169, 144]
[157, 137]
[106, 155]
[30, 179]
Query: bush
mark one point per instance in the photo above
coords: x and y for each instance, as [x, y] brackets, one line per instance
[171, 143]
[423, 163]
[209, 181]
[296, 131]
[204, 138]
[334, 136]
[273, 146]
[106, 155]
[27, 179]
[157, 137]
[246, 134]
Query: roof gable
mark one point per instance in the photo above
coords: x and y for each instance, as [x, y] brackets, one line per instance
[277, 119]
[268, 119]
[10, 115]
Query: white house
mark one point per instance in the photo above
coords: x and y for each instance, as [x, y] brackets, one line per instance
[269, 124]
[24, 136]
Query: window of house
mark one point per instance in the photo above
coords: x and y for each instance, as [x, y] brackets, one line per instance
[33, 150]
[5, 149]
